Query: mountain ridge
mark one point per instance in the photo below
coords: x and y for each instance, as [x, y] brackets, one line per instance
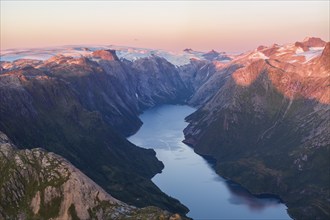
[260, 106]
[267, 127]
[44, 185]
[81, 109]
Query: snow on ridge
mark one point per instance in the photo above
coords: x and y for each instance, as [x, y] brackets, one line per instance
[310, 54]
[76, 51]
[258, 55]
[42, 54]
[129, 53]
[299, 50]
[316, 48]
[178, 59]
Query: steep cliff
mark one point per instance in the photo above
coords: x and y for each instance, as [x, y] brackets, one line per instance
[267, 127]
[36, 184]
[158, 81]
[264, 117]
[75, 107]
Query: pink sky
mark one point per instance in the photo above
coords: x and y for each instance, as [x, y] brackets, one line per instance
[171, 25]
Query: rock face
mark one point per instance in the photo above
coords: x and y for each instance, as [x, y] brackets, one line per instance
[79, 108]
[310, 42]
[264, 117]
[267, 126]
[106, 55]
[214, 55]
[158, 81]
[36, 184]
[204, 78]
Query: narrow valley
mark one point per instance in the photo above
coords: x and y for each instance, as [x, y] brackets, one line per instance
[190, 178]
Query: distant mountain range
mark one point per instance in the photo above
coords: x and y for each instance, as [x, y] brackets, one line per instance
[128, 53]
[263, 115]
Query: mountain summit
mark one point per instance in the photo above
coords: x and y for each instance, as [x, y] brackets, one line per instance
[106, 55]
[263, 115]
[267, 123]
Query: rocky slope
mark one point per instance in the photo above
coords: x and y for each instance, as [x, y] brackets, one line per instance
[158, 81]
[77, 108]
[119, 90]
[204, 78]
[36, 184]
[263, 116]
[214, 55]
[267, 125]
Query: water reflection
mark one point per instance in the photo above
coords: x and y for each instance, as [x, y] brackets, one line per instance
[240, 196]
[191, 178]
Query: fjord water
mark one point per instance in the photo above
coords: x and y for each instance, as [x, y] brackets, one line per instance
[190, 178]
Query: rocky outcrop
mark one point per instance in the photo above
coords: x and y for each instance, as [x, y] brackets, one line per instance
[36, 184]
[214, 55]
[267, 127]
[310, 42]
[205, 78]
[77, 108]
[157, 81]
[263, 116]
[119, 90]
[105, 55]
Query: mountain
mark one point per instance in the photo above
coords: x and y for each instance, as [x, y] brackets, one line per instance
[105, 55]
[204, 78]
[310, 42]
[179, 58]
[267, 124]
[158, 81]
[263, 115]
[36, 184]
[214, 55]
[81, 108]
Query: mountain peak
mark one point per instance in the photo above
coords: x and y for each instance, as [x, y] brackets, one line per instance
[310, 42]
[188, 50]
[307, 39]
[261, 47]
[106, 55]
[325, 56]
[213, 52]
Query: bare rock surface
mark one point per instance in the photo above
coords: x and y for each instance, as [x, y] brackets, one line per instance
[39, 184]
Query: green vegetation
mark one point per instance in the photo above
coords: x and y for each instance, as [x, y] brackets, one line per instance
[24, 178]
[53, 114]
[273, 145]
[73, 212]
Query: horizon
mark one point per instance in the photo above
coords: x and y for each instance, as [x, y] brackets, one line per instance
[236, 26]
[146, 48]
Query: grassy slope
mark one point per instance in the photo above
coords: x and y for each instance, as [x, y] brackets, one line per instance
[281, 161]
[49, 115]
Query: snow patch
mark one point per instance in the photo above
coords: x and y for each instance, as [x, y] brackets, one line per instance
[177, 59]
[299, 50]
[258, 55]
[292, 61]
[224, 61]
[312, 53]
[316, 48]
[282, 53]
[129, 53]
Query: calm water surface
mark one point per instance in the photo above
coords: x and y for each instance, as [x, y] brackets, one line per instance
[190, 178]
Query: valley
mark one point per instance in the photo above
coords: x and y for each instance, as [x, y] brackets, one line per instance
[190, 178]
[262, 116]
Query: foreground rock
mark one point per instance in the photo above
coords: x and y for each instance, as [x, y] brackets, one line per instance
[79, 108]
[35, 184]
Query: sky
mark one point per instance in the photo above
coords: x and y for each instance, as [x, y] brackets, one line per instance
[231, 26]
